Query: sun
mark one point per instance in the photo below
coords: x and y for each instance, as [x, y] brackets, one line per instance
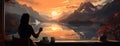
[56, 13]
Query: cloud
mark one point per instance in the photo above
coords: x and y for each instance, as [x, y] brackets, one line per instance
[29, 1]
[32, 2]
[98, 2]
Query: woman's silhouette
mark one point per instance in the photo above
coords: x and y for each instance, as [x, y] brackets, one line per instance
[26, 30]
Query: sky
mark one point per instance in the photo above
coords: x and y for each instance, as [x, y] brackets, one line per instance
[41, 5]
[56, 8]
[51, 7]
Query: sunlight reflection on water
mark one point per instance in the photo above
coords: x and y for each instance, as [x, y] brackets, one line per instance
[58, 31]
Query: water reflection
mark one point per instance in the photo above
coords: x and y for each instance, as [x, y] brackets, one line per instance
[57, 30]
[64, 31]
[53, 27]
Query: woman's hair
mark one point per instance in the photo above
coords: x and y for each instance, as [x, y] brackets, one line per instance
[24, 19]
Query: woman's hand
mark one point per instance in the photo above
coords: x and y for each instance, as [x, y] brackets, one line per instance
[40, 30]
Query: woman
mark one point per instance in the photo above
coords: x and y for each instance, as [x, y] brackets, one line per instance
[26, 30]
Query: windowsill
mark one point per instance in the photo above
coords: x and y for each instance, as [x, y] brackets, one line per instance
[81, 41]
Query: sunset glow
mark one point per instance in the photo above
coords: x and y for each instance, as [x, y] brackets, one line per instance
[55, 13]
[54, 8]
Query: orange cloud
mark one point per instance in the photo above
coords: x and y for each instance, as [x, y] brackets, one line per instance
[46, 5]
[41, 5]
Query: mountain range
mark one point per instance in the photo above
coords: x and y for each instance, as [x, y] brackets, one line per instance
[88, 12]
